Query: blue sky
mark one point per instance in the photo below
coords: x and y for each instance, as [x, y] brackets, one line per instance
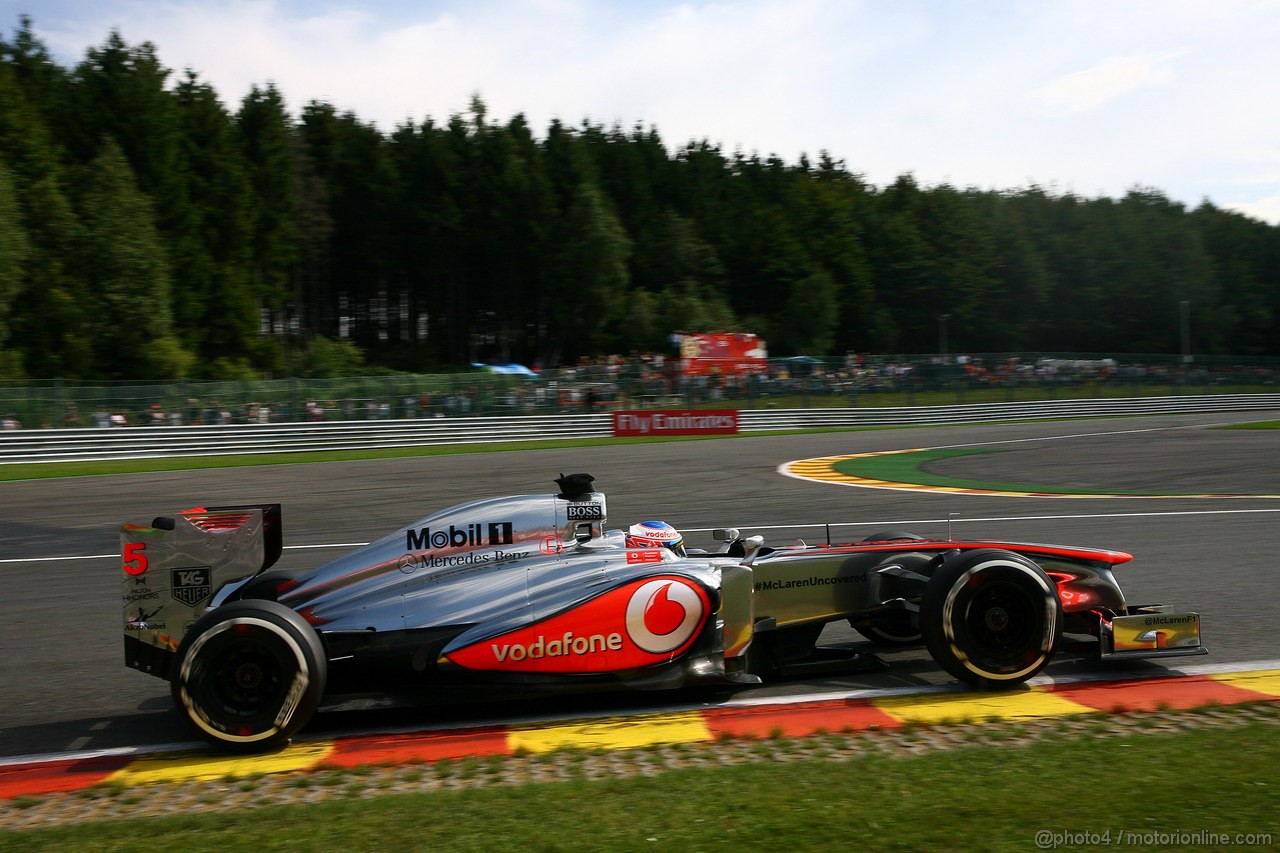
[1091, 97]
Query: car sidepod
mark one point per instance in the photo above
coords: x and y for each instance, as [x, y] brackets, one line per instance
[647, 624]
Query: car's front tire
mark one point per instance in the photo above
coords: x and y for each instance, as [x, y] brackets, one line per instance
[991, 618]
[250, 675]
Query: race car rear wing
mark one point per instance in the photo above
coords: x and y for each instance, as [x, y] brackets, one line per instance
[172, 568]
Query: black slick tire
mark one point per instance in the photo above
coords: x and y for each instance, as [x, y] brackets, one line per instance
[890, 536]
[894, 631]
[991, 618]
[898, 629]
[250, 675]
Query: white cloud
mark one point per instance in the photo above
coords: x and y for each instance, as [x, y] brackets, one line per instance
[1267, 209]
[1106, 80]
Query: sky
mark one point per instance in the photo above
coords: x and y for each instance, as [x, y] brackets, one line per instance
[1089, 97]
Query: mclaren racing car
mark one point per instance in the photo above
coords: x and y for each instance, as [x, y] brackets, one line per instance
[534, 592]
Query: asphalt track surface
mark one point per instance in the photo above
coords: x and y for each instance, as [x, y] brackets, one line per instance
[63, 684]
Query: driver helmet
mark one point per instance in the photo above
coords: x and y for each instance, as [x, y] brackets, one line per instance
[655, 534]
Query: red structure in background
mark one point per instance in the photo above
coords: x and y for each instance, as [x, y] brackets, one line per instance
[723, 354]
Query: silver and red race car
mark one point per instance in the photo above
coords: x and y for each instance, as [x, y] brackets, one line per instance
[532, 592]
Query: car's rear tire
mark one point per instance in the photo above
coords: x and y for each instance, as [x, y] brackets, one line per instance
[991, 618]
[892, 631]
[898, 629]
[250, 675]
[890, 536]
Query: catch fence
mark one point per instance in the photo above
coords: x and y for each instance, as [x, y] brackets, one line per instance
[92, 444]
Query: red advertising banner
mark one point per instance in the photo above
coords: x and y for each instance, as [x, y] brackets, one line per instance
[676, 422]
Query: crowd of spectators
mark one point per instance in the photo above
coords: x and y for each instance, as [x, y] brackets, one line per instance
[652, 376]
[646, 380]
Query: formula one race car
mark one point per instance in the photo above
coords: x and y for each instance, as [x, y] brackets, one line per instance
[532, 592]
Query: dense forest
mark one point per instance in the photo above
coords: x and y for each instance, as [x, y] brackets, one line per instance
[148, 230]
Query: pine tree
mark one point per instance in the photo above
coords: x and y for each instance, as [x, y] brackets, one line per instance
[122, 258]
[215, 310]
[14, 251]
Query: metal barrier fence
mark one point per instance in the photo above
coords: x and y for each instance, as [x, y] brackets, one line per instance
[65, 445]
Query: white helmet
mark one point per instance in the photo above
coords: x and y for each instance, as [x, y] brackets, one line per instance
[655, 534]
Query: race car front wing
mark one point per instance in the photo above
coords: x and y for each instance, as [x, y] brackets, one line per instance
[1151, 631]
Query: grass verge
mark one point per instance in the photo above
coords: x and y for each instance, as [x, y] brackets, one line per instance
[910, 468]
[1000, 797]
[50, 470]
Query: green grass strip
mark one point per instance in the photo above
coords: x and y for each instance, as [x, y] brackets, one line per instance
[49, 470]
[909, 468]
[1012, 798]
